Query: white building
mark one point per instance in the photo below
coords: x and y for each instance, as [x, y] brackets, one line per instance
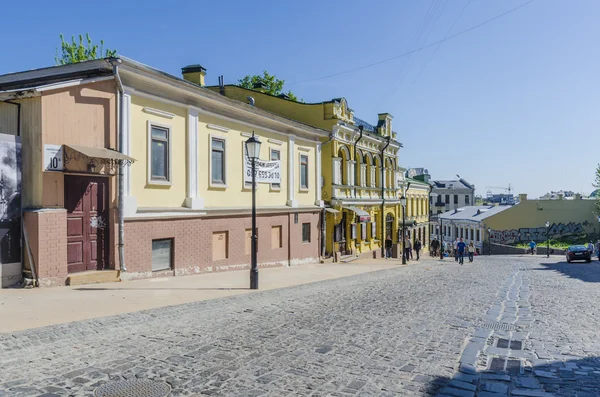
[452, 194]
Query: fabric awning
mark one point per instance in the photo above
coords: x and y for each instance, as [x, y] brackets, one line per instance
[331, 210]
[363, 215]
[100, 153]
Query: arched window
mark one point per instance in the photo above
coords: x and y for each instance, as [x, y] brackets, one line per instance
[370, 174]
[343, 171]
[377, 164]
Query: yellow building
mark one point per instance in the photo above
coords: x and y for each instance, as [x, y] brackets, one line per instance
[359, 170]
[417, 222]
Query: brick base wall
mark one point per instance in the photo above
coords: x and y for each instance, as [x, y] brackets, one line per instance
[193, 249]
[47, 232]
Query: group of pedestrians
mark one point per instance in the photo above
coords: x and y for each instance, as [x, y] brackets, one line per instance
[408, 248]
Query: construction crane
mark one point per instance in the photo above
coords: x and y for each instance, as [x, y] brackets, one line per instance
[509, 188]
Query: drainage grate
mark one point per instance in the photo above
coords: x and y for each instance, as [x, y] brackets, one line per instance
[499, 326]
[133, 388]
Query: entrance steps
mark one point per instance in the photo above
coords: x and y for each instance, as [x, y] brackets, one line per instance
[348, 258]
[94, 277]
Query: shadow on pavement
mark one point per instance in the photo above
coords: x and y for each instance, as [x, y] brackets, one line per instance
[158, 289]
[572, 378]
[588, 272]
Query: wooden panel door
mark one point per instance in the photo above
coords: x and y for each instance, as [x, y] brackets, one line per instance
[87, 226]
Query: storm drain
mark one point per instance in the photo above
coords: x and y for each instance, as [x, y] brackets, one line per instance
[133, 388]
[499, 326]
[501, 364]
[505, 344]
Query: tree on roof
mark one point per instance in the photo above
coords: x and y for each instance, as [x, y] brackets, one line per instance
[267, 83]
[74, 52]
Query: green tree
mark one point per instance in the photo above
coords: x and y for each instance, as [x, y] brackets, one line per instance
[74, 52]
[273, 85]
[596, 184]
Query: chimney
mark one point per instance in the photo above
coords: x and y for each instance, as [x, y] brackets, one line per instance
[522, 197]
[259, 86]
[384, 124]
[577, 196]
[194, 74]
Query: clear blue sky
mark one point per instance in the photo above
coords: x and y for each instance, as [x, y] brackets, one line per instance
[515, 101]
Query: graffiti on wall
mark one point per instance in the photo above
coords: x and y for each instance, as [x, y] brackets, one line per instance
[555, 231]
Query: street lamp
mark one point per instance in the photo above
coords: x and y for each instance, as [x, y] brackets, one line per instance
[547, 240]
[403, 203]
[253, 153]
[433, 199]
[489, 241]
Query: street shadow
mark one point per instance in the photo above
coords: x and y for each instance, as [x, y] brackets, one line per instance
[158, 289]
[576, 378]
[588, 272]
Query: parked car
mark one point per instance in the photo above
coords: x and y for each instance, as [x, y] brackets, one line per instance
[578, 253]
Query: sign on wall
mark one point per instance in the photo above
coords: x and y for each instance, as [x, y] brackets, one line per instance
[265, 171]
[10, 198]
[53, 157]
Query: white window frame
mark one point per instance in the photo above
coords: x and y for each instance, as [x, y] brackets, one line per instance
[169, 129]
[278, 150]
[307, 187]
[210, 163]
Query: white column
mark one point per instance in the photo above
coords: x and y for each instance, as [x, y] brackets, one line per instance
[291, 172]
[130, 202]
[351, 165]
[192, 200]
[336, 164]
[363, 175]
[373, 176]
[318, 177]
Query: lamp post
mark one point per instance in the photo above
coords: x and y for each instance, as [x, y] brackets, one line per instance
[253, 153]
[433, 199]
[547, 240]
[403, 203]
[489, 241]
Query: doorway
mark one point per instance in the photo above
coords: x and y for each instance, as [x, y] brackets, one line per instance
[86, 202]
[389, 226]
[340, 234]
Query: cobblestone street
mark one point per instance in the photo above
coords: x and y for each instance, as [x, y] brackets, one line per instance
[523, 326]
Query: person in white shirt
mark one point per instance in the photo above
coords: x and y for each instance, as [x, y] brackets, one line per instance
[456, 250]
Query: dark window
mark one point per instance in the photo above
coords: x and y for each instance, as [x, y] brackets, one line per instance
[275, 156]
[447, 199]
[466, 199]
[304, 172]
[306, 232]
[159, 154]
[478, 239]
[162, 254]
[218, 161]
[456, 199]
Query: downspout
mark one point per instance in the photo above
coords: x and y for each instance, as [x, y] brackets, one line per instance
[121, 180]
[360, 129]
[18, 105]
[323, 214]
[382, 241]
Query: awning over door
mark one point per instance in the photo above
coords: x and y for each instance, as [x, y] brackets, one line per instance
[101, 153]
[331, 210]
[363, 215]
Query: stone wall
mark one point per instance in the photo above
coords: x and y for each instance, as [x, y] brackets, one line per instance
[501, 249]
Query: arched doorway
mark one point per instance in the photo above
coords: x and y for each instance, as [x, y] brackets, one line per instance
[389, 226]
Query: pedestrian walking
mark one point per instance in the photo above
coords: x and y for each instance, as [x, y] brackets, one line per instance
[435, 245]
[407, 248]
[590, 248]
[471, 251]
[460, 246]
[532, 245]
[410, 251]
[388, 247]
[456, 250]
[418, 247]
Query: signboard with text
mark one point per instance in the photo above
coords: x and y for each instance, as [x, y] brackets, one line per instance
[265, 171]
[53, 158]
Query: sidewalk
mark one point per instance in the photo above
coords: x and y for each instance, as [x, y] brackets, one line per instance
[31, 308]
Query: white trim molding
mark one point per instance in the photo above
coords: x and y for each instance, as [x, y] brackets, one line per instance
[159, 113]
[193, 199]
[292, 202]
[214, 126]
[212, 184]
[149, 179]
[303, 149]
[275, 141]
[130, 202]
[318, 176]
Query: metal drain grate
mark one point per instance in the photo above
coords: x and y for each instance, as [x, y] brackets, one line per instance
[499, 326]
[133, 388]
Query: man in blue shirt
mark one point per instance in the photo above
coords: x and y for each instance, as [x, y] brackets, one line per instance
[532, 245]
[461, 251]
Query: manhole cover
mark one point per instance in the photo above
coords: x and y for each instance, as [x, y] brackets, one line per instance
[133, 388]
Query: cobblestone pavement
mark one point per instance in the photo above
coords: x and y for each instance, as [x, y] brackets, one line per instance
[521, 325]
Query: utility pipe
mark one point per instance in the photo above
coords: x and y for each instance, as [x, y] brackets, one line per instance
[382, 241]
[115, 62]
[323, 214]
[360, 129]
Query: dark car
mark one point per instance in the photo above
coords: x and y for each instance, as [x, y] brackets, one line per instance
[578, 253]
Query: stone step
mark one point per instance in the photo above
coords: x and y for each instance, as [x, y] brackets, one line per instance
[94, 277]
[348, 258]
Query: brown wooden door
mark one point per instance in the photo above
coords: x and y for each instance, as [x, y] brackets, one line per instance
[86, 201]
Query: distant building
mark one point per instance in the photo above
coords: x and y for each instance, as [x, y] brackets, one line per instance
[501, 199]
[559, 195]
[452, 194]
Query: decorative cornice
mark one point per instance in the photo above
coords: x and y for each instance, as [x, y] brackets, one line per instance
[159, 113]
[217, 127]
